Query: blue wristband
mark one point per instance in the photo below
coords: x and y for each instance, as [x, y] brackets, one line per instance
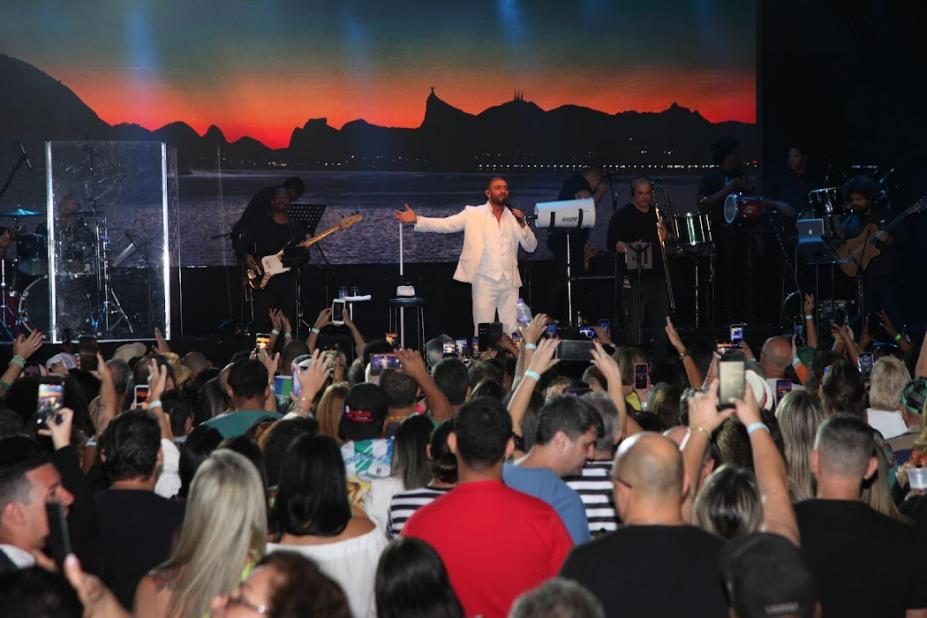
[531, 346]
[533, 375]
[757, 425]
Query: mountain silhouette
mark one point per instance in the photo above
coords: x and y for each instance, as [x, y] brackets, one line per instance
[33, 105]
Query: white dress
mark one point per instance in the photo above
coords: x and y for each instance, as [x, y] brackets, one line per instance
[352, 563]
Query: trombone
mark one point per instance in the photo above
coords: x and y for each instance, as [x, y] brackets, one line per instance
[666, 270]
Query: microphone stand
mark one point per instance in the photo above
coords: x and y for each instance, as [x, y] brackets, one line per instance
[639, 249]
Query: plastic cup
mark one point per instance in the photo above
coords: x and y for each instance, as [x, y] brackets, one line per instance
[918, 478]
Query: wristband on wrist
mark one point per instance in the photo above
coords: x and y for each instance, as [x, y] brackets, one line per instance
[534, 375]
[796, 362]
[287, 335]
[4, 385]
[531, 346]
[703, 430]
[684, 354]
[275, 331]
[18, 360]
[757, 425]
[314, 330]
[154, 404]
[897, 338]
[808, 316]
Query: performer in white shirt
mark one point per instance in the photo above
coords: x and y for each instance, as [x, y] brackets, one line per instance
[489, 258]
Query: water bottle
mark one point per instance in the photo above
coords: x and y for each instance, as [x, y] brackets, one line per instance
[523, 313]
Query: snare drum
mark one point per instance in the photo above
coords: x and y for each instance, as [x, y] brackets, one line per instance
[743, 210]
[692, 229]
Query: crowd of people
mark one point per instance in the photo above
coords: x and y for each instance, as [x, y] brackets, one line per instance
[506, 484]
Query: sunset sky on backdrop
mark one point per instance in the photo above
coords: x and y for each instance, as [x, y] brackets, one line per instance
[263, 67]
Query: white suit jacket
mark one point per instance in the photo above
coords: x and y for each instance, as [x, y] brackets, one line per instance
[473, 220]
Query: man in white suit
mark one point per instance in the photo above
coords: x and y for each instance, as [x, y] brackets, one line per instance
[489, 258]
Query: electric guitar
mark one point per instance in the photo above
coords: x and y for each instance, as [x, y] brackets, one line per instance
[856, 253]
[272, 265]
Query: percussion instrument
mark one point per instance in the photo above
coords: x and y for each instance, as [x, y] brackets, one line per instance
[692, 229]
[33, 306]
[743, 210]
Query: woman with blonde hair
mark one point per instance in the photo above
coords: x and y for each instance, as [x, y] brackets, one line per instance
[889, 377]
[224, 534]
[800, 413]
[330, 410]
[729, 504]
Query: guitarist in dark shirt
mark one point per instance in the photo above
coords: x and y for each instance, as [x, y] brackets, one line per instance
[266, 235]
[881, 276]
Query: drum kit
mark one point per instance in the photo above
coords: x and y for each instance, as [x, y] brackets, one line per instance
[86, 301]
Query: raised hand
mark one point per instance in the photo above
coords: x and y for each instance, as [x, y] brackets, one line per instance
[270, 362]
[543, 358]
[406, 216]
[673, 336]
[157, 380]
[324, 319]
[163, 347]
[534, 330]
[59, 428]
[747, 409]
[312, 378]
[808, 304]
[413, 365]
[606, 364]
[275, 318]
[27, 346]
[703, 410]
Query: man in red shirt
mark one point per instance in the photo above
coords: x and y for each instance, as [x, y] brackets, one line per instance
[495, 542]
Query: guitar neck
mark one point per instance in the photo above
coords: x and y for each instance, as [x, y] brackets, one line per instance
[319, 237]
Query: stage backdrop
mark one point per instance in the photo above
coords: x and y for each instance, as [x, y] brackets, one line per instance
[374, 104]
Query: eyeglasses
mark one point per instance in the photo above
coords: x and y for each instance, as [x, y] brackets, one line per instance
[238, 599]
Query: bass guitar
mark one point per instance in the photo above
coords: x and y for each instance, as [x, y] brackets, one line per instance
[272, 265]
[856, 253]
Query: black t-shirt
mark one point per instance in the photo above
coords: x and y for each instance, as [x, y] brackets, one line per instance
[864, 563]
[652, 571]
[630, 225]
[264, 236]
[137, 528]
[556, 241]
[792, 188]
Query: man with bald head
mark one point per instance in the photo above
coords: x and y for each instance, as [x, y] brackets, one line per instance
[489, 258]
[775, 357]
[656, 564]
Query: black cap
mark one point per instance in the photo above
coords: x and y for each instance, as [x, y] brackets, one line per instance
[365, 410]
[766, 575]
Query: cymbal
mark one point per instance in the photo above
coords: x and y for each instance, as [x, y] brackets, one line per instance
[20, 212]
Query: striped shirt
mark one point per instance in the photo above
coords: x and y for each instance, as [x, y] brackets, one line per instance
[405, 503]
[594, 487]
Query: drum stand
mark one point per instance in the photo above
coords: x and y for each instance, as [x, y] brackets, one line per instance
[110, 306]
[9, 317]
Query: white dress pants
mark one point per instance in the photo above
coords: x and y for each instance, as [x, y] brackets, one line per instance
[489, 296]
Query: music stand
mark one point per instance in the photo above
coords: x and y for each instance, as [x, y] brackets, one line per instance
[567, 215]
[815, 248]
[297, 257]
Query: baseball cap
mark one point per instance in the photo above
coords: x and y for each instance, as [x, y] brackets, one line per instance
[914, 395]
[365, 409]
[766, 575]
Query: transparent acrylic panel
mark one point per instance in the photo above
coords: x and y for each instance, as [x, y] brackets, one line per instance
[108, 238]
